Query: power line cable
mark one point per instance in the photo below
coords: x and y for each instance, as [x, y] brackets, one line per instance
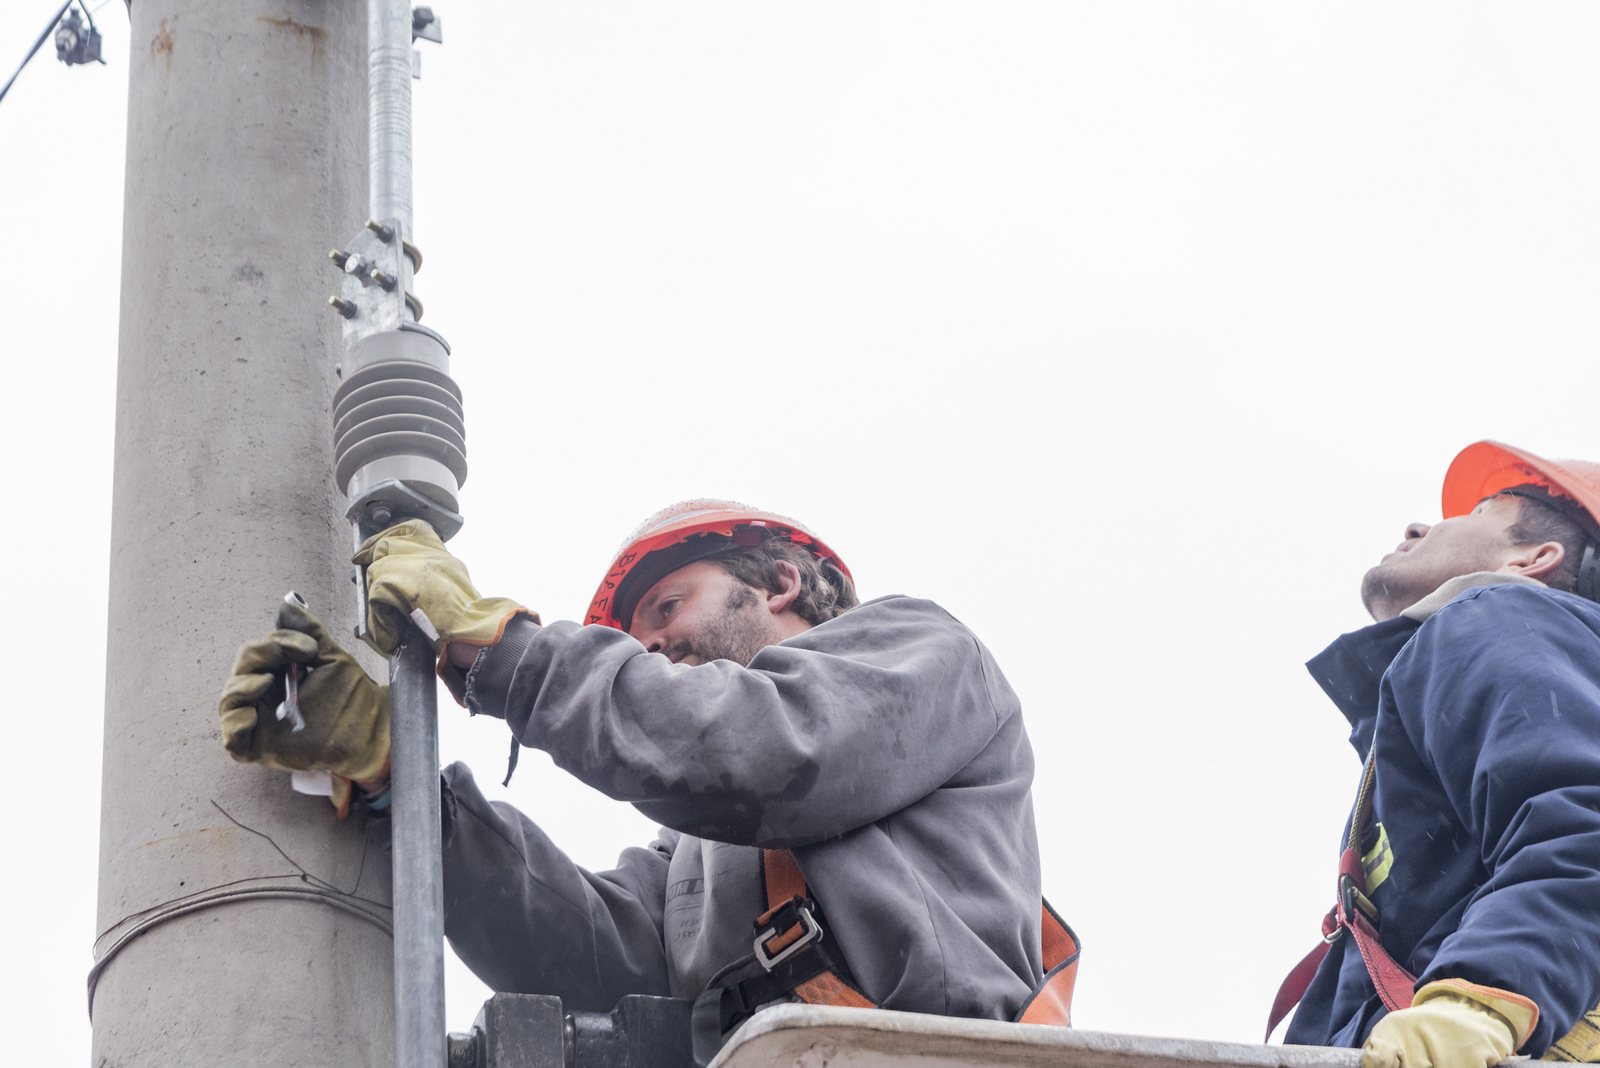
[84, 7]
[43, 37]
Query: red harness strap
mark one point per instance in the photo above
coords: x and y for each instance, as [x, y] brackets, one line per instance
[787, 927]
[1353, 913]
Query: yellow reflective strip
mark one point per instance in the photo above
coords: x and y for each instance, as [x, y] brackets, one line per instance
[1581, 1044]
[1378, 860]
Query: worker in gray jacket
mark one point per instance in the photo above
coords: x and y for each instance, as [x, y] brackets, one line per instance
[856, 777]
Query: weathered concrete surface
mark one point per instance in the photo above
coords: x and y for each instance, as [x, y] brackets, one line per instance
[809, 1036]
[246, 162]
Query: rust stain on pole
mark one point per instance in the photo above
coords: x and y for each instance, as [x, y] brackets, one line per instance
[162, 42]
[316, 33]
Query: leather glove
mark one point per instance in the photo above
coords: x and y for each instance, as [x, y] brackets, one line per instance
[412, 578]
[346, 713]
[1452, 1024]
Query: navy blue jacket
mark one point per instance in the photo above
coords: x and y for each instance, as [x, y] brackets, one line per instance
[1487, 720]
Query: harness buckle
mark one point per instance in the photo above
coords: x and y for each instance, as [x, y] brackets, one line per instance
[1351, 898]
[781, 924]
[1332, 929]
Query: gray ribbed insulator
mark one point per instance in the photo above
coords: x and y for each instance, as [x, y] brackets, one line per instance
[397, 418]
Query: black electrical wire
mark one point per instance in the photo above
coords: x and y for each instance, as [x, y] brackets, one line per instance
[310, 887]
[84, 7]
[43, 37]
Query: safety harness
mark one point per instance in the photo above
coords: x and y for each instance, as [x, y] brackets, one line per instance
[1355, 915]
[791, 963]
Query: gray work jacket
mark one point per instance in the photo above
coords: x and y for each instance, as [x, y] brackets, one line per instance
[884, 748]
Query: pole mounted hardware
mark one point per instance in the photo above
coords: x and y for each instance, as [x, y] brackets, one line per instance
[425, 25]
[77, 42]
[400, 449]
[400, 452]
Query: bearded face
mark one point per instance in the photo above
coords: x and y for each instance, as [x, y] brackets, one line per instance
[700, 613]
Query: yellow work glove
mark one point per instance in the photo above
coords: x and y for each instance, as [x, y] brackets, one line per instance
[1452, 1024]
[412, 578]
[346, 713]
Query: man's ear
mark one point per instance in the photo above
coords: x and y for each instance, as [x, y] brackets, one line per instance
[789, 583]
[1535, 561]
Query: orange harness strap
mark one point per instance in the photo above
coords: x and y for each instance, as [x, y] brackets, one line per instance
[1050, 1003]
[787, 887]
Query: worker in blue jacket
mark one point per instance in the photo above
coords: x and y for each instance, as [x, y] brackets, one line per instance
[1468, 922]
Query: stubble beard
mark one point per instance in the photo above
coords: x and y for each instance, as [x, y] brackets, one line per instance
[1386, 594]
[736, 634]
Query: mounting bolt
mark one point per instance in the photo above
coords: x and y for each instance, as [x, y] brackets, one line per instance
[342, 306]
[385, 233]
[425, 24]
[381, 516]
[353, 265]
[384, 281]
[461, 1050]
[338, 256]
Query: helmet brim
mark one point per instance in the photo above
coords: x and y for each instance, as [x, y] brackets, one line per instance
[712, 523]
[1485, 468]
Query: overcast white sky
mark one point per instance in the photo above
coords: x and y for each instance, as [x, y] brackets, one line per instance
[1132, 333]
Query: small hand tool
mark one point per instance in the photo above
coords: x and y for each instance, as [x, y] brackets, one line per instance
[289, 707]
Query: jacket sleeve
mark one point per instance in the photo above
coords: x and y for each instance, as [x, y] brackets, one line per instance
[527, 920]
[1505, 705]
[824, 733]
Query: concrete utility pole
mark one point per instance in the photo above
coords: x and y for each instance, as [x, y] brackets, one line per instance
[239, 923]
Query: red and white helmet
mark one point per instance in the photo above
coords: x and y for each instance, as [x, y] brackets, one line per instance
[679, 535]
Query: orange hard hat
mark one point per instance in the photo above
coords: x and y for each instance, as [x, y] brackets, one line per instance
[1487, 467]
[679, 535]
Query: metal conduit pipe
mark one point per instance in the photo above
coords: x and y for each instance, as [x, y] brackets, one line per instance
[400, 453]
[389, 109]
[418, 881]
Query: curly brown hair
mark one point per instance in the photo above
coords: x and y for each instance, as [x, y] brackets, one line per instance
[825, 591]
